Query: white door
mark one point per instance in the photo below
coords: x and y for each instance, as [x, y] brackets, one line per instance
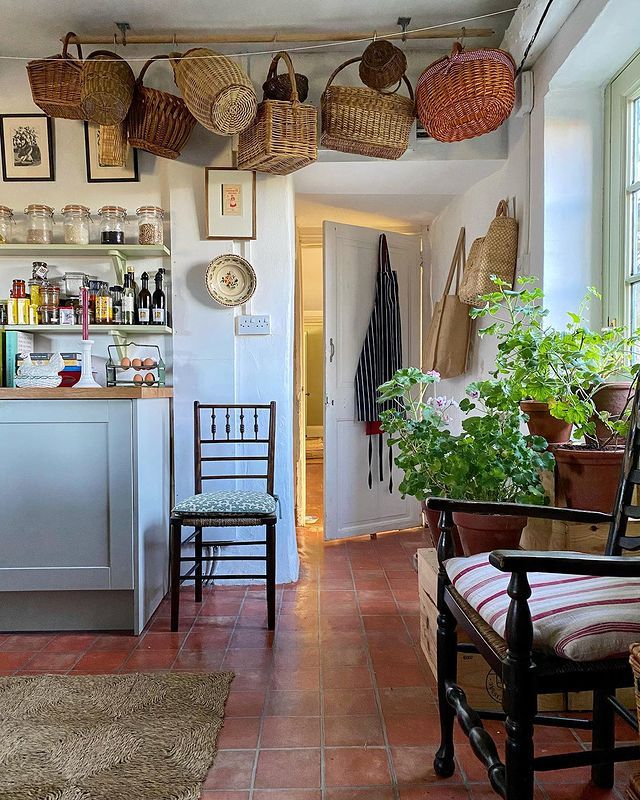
[351, 508]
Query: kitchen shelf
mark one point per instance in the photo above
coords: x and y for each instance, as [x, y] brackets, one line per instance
[164, 330]
[124, 251]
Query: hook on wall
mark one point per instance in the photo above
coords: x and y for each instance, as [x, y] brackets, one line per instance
[403, 22]
[123, 27]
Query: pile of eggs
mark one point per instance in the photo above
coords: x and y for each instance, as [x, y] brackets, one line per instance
[140, 364]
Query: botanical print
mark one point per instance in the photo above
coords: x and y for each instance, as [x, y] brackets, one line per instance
[27, 147]
[26, 150]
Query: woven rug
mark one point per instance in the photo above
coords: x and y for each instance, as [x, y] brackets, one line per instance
[109, 737]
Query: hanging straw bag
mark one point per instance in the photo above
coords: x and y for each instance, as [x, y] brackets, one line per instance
[107, 84]
[496, 254]
[283, 137]
[383, 65]
[112, 145]
[216, 89]
[466, 94]
[447, 342]
[159, 122]
[55, 83]
[363, 121]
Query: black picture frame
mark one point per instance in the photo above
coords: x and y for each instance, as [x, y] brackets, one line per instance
[49, 160]
[133, 177]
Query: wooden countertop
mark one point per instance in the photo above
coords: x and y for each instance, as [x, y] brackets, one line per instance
[110, 393]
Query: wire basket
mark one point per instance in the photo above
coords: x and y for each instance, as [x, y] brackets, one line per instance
[133, 364]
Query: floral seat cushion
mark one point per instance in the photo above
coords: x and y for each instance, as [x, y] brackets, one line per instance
[236, 503]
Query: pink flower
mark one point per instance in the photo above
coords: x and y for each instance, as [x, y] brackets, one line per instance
[433, 373]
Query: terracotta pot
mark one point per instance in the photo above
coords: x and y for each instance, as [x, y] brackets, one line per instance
[481, 533]
[614, 398]
[433, 523]
[541, 423]
[588, 479]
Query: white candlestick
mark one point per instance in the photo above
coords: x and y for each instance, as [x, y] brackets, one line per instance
[86, 376]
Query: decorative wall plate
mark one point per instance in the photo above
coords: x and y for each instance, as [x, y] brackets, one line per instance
[231, 280]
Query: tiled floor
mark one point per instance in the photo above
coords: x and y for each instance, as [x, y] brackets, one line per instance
[337, 705]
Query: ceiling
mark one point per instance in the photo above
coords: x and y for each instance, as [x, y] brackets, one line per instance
[33, 27]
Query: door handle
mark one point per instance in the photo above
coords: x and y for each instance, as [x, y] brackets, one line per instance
[332, 350]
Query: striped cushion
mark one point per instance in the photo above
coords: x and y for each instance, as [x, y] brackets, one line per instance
[575, 617]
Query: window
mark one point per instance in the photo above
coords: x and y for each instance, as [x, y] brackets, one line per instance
[622, 220]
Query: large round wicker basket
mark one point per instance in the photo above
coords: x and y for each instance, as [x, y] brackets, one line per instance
[107, 83]
[55, 83]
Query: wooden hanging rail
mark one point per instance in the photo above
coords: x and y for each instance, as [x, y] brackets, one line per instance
[274, 38]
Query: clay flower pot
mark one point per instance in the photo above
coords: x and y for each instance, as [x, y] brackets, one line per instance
[541, 423]
[433, 523]
[588, 479]
[614, 398]
[481, 533]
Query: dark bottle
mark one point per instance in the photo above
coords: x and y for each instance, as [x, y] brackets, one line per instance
[128, 301]
[144, 301]
[159, 307]
[116, 304]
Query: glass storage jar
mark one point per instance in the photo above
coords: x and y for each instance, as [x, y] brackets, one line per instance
[39, 224]
[112, 222]
[150, 225]
[49, 295]
[76, 224]
[6, 224]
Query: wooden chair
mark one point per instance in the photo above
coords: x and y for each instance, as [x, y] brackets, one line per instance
[244, 433]
[525, 671]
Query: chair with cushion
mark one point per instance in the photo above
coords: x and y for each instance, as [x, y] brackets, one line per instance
[234, 433]
[546, 622]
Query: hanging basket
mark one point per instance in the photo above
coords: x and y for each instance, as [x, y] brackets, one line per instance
[107, 83]
[216, 89]
[112, 145]
[284, 134]
[159, 122]
[383, 65]
[55, 83]
[278, 87]
[359, 120]
[466, 94]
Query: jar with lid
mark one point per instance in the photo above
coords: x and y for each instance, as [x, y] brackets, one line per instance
[112, 222]
[93, 287]
[103, 304]
[50, 295]
[76, 224]
[39, 224]
[6, 224]
[150, 225]
[35, 292]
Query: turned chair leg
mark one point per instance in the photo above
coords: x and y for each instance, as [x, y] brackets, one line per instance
[175, 551]
[198, 569]
[271, 575]
[604, 738]
[447, 664]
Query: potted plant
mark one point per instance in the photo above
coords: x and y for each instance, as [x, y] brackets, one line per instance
[489, 459]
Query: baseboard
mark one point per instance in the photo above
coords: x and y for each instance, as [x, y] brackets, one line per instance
[314, 431]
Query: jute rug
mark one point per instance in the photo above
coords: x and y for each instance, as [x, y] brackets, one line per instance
[109, 737]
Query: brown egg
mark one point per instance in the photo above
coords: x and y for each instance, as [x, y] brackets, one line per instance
[149, 363]
[137, 378]
[125, 363]
[136, 363]
[149, 378]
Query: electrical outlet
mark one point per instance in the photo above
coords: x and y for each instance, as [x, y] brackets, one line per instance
[253, 324]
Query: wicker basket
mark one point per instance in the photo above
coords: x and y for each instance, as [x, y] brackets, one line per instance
[278, 87]
[55, 83]
[466, 94]
[468, 291]
[383, 65]
[284, 135]
[159, 122]
[216, 90]
[366, 122]
[112, 145]
[106, 88]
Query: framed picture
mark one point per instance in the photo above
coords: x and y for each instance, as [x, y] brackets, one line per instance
[231, 203]
[27, 147]
[98, 173]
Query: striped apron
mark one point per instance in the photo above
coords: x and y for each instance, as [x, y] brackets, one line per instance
[381, 356]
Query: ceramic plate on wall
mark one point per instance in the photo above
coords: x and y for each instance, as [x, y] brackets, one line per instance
[231, 280]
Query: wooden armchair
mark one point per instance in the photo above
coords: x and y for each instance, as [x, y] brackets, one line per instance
[495, 611]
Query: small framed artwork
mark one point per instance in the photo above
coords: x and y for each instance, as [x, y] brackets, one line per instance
[231, 203]
[99, 173]
[27, 147]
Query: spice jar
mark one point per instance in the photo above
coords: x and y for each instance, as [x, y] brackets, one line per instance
[76, 224]
[49, 315]
[150, 224]
[50, 295]
[40, 224]
[18, 288]
[112, 221]
[6, 224]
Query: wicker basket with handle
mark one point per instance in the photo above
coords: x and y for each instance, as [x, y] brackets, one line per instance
[278, 87]
[216, 89]
[383, 65]
[284, 134]
[107, 83]
[466, 94]
[159, 122]
[112, 145]
[55, 83]
[359, 120]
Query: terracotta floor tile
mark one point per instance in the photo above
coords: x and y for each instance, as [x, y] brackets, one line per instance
[287, 794]
[292, 703]
[209, 794]
[26, 641]
[438, 791]
[407, 700]
[245, 704]
[150, 659]
[338, 702]
[405, 730]
[344, 656]
[414, 765]
[368, 793]
[71, 643]
[288, 769]
[239, 733]
[15, 659]
[195, 660]
[205, 639]
[116, 642]
[102, 660]
[296, 678]
[53, 661]
[388, 675]
[346, 677]
[232, 769]
[356, 766]
[280, 732]
[154, 640]
[353, 731]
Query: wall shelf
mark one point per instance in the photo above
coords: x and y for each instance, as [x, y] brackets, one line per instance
[109, 330]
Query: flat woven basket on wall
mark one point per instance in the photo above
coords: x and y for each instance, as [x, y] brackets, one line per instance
[107, 83]
[55, 83]
[159, 122]
[216, 89]
[360, 120]
[466, 94]
[383, 65]
[112, 145]
[284, 134]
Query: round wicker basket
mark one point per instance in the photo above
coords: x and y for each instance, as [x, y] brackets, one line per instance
[107, 83]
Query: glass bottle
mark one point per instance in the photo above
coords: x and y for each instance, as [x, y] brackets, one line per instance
[39, 224]
[76, 224]
[112, 223]
[6, 224]
[128, 301]
[116, 304]
[144, 301]
[150, 229]
[103, 305]
[159, 302]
